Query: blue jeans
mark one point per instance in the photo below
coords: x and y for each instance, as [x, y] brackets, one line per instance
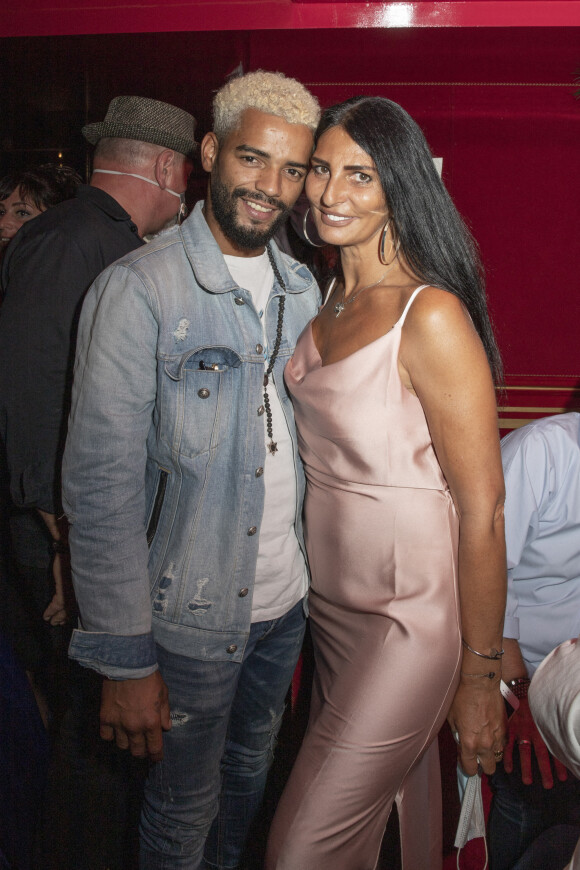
[201, 800]
[554, 848]
[521, 813]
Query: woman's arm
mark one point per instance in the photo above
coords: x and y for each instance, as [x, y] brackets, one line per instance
[443, 361]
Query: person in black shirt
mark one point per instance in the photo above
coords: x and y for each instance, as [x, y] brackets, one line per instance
[141, 165]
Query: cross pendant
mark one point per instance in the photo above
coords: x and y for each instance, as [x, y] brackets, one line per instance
[339, 308]
[273, 447]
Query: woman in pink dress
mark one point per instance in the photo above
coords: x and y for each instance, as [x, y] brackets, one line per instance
[393, 390]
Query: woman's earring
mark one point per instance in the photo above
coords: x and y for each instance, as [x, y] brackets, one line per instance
[382, 257]
[305, 234]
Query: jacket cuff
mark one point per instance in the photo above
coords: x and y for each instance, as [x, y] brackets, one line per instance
[119, 657]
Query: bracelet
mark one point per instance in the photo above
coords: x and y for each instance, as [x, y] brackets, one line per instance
[489, 676]
[520, 687]
[60, 547]
[495, 653]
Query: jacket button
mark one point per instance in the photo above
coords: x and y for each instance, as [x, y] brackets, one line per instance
[203, 393]
[238, 300]
[252, 531]
[231, 648]
[243, 592]
[259, 471]
[259, 348]
[260, 410]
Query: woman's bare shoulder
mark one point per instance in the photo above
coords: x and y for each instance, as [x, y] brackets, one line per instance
[435, 311]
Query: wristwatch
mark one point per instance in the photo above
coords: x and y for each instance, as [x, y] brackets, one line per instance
[520, 687]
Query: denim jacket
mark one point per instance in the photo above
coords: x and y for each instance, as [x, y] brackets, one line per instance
[162, 474]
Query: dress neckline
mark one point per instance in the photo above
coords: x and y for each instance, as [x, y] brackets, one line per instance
[399, 323]
[348, 356]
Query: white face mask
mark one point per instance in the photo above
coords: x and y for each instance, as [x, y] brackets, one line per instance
[182, 213]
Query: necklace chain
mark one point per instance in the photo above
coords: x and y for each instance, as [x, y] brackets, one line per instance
[272, 445]
[340, 306]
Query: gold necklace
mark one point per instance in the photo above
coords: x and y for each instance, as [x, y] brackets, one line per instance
[340, 306]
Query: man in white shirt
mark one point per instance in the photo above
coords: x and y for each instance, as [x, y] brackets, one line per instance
[534, 791]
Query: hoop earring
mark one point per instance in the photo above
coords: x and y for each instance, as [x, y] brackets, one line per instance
[305, 234]
[382, 245]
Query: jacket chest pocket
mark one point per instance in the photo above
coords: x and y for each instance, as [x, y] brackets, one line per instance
[198, 396]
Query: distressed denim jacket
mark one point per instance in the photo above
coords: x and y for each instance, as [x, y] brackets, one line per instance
[162, 474]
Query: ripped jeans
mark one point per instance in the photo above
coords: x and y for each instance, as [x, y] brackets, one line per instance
[200, 801]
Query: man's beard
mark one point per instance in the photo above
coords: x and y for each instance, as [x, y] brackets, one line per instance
[224, 207]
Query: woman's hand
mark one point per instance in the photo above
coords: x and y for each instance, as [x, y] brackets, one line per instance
[478, 718]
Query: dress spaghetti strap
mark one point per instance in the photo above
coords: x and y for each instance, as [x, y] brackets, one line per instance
[411, 299]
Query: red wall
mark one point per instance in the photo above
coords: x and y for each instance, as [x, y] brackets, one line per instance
[497, 103]
[499, 107]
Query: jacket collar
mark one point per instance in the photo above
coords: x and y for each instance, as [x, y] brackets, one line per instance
[210, 268]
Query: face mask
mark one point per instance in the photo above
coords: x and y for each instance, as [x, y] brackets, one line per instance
[182, 213]
[472, 820]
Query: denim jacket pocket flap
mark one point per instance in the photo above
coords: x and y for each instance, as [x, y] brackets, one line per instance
[211, 358]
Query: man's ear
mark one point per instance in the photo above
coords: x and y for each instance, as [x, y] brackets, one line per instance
[164, 163]
[209, 151]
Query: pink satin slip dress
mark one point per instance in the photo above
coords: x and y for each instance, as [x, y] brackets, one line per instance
[382, 538]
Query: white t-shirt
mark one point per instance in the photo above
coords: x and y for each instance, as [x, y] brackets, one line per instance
[281, 577]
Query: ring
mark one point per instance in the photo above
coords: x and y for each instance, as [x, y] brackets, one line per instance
[498, 754]
[520, 742]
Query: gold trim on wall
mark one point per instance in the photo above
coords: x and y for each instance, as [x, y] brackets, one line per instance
[440, 84]
[545, 389]
[503, 409]
[570, 395]
[516, 423]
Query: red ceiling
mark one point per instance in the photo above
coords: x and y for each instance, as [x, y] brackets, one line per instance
[52, 17]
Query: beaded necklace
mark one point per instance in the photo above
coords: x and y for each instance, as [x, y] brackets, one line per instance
[273, 446]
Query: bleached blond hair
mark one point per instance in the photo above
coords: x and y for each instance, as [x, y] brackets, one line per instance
[268, 92]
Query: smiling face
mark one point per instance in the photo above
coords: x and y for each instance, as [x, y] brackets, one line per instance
[344, 190]
[15, 210]
[256, 176]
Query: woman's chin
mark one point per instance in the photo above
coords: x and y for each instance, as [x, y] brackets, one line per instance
[326, 234]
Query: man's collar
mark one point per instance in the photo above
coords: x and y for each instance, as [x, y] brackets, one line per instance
[103, 200]
[210, 267]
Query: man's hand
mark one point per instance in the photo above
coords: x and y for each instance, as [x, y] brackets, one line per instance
[62, 605]
[135, 713]
[522, 732]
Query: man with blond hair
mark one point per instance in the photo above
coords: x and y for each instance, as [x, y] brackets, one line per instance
[183, 486]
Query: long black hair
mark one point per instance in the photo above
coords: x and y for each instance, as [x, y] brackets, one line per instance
[433, 238]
